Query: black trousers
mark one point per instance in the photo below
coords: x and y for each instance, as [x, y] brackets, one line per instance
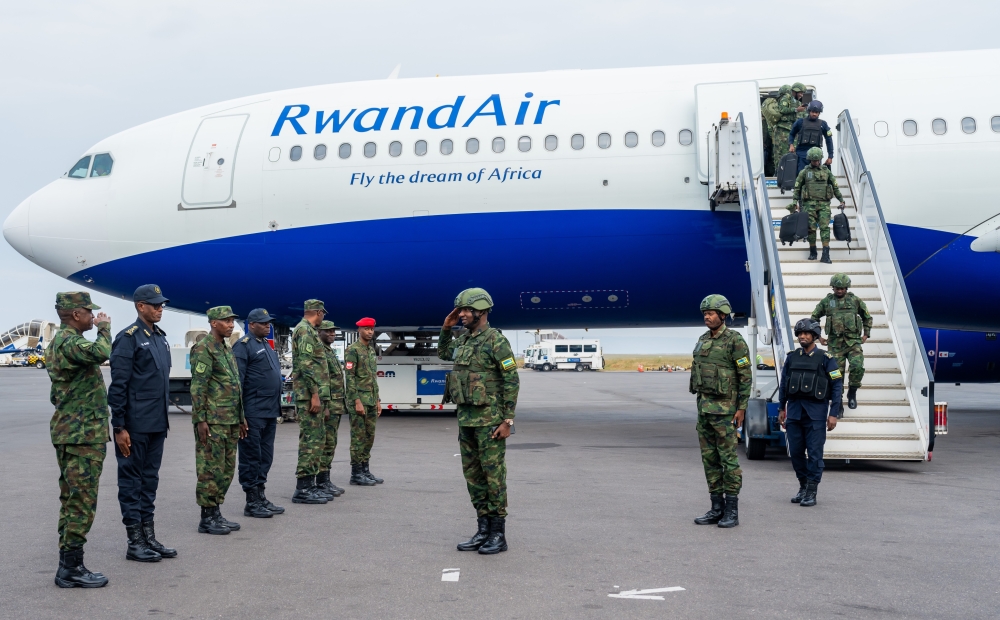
[256, 451]
[806, 435]
[139, 476]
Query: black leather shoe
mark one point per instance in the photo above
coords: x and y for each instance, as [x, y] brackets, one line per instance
[852, 398]
[497, 541]
[812, 253]
[73, 574]
[810, 497]
[274, 508]
[731, 518]
[370, 475]
[826, 257]
[138, 549]
[208, 523]
[802, 491]
[305, 492]
[254, 508]
[478, 538]
[714, 514]
[358, 476]
[232, 525]
[149, 532]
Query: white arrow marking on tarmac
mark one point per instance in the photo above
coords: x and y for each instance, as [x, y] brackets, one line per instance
[449, 574]
[644, 594]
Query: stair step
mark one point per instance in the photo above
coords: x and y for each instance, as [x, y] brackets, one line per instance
[874, 447]
[861, 437]
[852, 419]
[861, 456]
[822, 281]
[808, 305]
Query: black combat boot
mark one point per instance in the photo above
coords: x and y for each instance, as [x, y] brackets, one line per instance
[254, 507]
[232, 525]
[826, 256]
[138, 548]
[852, 397]
[731, 518]
[73, 574]
[149, 532]
[478, 538]
[358, 476]
[208, 524]
[274, 508]
[714, 514]
[812, 253]
[370, 475]
[497, 541]
[305, 492]
[802, 491]
[810, 497]
[325, 486]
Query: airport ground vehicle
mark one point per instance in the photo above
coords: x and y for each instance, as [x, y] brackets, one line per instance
[565, 354]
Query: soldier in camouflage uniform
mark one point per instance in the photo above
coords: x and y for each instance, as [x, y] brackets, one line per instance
[79, 428]
[311, 377]
[484, 384]
[217, 415]
[814, 187]
[338, 407]
[361, 364]
[848, 326]
[721, 376]
[787, 105]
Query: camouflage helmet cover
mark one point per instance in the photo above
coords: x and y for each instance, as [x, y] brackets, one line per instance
[716, 302]
[475, 298]
[840, 280]
[814, 154]
[798, 87]
[808, 325]
[784, 89]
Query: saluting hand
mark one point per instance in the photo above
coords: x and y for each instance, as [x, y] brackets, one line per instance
[101, 318]
[452, 319]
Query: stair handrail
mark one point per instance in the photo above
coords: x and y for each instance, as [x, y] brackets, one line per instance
[918, 378]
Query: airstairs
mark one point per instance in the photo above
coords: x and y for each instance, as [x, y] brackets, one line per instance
[895, 413]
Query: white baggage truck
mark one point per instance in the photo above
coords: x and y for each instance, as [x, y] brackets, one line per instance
[565, 354]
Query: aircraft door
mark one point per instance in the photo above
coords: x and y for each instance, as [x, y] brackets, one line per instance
[211, 162]
[711, 100]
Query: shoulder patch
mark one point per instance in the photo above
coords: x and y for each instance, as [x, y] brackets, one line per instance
[200, 368]
[131, 330]
[836, 374]
[743, 362]
[349, 365]
[309, 348]
[245, 340]
[508, 363]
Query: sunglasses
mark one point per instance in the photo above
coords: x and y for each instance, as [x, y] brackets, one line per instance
[153, 306]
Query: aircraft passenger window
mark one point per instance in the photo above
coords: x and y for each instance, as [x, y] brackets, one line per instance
[995, 123]
[395, 149]
[939, 126]
[910, 128]
[320, 151]
[968, 126]
[446, 147]
[102, 165]
[80, 168]
[345, 150]
[590, 348]
[631, 139]
[472, 146]
[295, 153]
[881, 129]
[274, 154]
[659, 138]
[370, 149]
[420, 147]
[603, 140]
[524, 144]
[562, 348]
[498, 145]
[576, 142]
[576, 348]
[685, 137]
[551, 143]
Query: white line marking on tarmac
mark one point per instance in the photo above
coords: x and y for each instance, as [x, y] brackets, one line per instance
[449, 574]
[645, 594]
[458, 455]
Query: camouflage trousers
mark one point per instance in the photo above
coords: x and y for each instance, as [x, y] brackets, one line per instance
[485, 468]
[312, 438]
[717, 438]
[331, 424]
[779, 145]
[215, 463]
[363, 433]
[80, 467]
[819, 217]
[849, 355]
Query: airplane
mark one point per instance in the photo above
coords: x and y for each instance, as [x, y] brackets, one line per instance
[576, 198]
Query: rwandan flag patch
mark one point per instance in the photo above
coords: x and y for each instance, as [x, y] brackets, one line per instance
[836, 374]
[509, 363]
[743, 362]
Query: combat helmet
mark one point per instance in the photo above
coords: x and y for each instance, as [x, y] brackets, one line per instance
[798, 87]
[814, 154]
[840, 280]
[716, 302]
[815, 106]
[785, 88]
[808, 325]
[475, 298]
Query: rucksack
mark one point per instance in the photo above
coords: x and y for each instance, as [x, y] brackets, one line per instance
[770, 111]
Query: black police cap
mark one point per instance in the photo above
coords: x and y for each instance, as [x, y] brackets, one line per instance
[150, 294]
[259, 315]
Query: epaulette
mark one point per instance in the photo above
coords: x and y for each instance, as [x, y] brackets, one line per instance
[245, 340]
[131, 330]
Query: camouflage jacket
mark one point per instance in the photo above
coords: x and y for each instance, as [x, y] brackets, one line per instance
[484, 382]
[361, 366]
[337, 389]
[721, 369]
[78, 391]
[846, 319]
[787, 104]
[309, 367]
[216, 396]
[816, 184]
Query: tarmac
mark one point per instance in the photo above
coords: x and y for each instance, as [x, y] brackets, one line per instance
[604, 481]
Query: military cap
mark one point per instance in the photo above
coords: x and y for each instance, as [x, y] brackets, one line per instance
[798, 87]
[259, 315]
[327, 325]
[74, 300]
[221, 312]
[150, 294]
[315, 304]
[366, 322]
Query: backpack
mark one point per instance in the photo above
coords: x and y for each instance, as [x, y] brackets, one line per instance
[770, 111]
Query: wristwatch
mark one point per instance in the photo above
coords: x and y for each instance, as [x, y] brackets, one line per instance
[509, 421]
[117, 429]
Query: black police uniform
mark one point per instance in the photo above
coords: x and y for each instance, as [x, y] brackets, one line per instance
[139, 397]
[810, 133]
[809, 383]
[260, 378]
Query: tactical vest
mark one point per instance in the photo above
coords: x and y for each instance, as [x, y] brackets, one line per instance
[811, 133]
[470, 382]
[842, 316]
[807, 378]
[712, 372]
[816, 185]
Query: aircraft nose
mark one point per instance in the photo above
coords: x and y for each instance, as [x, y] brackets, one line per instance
[15, 228]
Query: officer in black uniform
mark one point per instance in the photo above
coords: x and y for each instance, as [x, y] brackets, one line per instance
[139, 397]
[811, 132]
[260, 379]
[810, 381]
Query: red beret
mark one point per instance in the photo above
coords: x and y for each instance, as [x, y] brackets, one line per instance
[366, 322]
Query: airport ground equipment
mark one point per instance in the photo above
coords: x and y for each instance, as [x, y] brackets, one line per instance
[27, 336]
[411, 377]
[895, 415]
[565, 354]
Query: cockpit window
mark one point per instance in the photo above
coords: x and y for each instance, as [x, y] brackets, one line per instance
[80, 168]
[102, 165]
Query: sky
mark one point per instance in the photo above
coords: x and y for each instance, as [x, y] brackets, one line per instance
[74, 72]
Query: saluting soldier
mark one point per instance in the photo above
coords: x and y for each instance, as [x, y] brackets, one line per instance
[139, 397]
[361, 364]
[327, 333]
[484, 384]
[312, 402]
[722, 378]
[848, 327]
[79, 428]
[217, 415]
[260, 382]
